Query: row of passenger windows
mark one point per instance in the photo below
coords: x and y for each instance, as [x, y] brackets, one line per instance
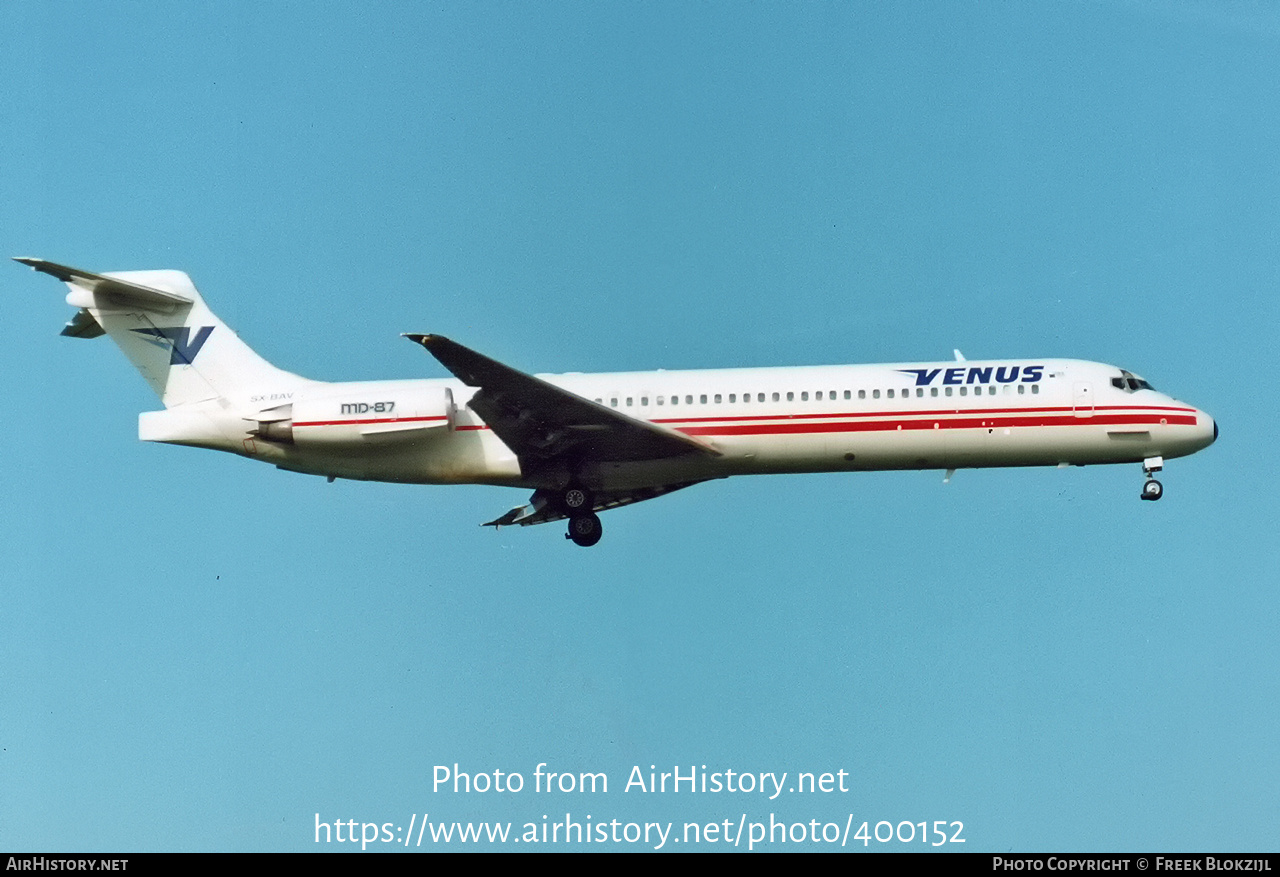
[819, 395]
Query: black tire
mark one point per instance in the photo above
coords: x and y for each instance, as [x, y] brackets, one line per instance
[1152, 490]
[576, 499]
[585, 530]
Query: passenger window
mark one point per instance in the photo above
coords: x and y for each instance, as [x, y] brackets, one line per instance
[644, 400]
[964, 391]
[1022, 388]
[848, 395]
[614, 402]
[733, 397]
[947, 391]
[775, 397]
[933, 391]
[862, 394]
[919, 392]
[629, 401]
[688, 400]
[791, 397]
[875, 394]
[1035, 388]
[818, 395]
[717, 398]
[703, 398]
[804, 396]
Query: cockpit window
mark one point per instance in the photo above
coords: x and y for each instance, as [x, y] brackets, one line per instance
[1129, 382]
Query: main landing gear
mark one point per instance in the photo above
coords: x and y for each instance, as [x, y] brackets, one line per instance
[584, 526]
[575, 499]
[584, 530]
[1152, 489]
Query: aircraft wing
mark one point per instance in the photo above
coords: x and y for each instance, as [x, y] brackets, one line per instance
[547, 425]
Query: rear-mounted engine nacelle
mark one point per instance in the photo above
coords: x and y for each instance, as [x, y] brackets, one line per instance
[358, 416]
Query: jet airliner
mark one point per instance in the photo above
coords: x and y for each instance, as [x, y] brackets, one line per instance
[586, 443]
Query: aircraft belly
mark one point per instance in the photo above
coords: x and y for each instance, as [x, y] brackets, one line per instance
[934, 447]
[463, 457]
[838, 451]
[1032, 446]
[476, 456]
[1081, 444]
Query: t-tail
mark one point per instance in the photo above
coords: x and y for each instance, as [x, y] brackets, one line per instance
[163, 326]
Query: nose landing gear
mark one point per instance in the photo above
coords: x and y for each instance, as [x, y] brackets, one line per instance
[1152, 489]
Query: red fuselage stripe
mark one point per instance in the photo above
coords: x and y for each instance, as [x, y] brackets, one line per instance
[874, 421]
[370, 420]
[970, 421]
[940, 412]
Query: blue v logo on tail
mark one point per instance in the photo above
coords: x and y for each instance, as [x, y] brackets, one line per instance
[183, 348]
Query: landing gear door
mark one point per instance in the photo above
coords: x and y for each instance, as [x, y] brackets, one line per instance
[1082, 399]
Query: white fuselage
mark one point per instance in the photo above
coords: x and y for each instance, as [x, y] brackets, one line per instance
[943, 415]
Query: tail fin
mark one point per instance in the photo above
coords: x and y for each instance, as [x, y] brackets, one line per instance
[162, 324]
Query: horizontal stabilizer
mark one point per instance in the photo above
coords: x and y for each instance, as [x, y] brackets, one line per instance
[83, 325]
[114, 290]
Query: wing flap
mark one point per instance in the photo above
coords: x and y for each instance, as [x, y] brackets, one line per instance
[543, 509]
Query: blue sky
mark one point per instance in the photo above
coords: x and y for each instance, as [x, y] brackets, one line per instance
[201, 653]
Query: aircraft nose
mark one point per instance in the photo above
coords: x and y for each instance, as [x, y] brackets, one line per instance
[1209, 420]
